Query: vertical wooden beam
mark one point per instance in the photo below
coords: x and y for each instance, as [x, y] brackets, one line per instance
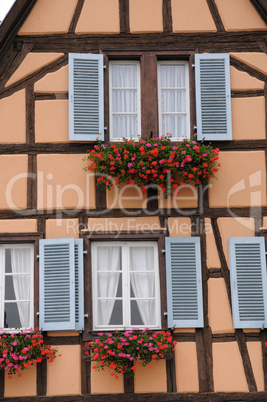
[149, 96]
[100, 196]
[128, 385]
[152, 199]
[32, 182]
[167, 16]
[263, 337]
[41, 379]
[171, 375]
[241, 340]
[30, 114]
[76, 16]
[215, 15]
[124, 16]
[2, 383]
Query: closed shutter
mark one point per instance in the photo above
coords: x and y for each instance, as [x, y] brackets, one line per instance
[248, 281]
[184, 283]
[86, 97]
[213, 96]
[60, 294]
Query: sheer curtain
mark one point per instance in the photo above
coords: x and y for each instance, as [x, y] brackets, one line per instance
[143, 281]
[21, 262]
[124, 100]
[108, 259]
[173, 99]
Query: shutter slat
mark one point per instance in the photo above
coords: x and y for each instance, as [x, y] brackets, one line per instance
[57, 291]
[248, 282]
[86, 97]
[79, 294]
[184, 285]
[213, 96]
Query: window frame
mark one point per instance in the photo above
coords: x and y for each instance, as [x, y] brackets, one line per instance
[187, 89]
[126, 296]
[12, 239]
[138, 97]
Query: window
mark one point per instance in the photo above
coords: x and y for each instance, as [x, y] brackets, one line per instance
[17, 290]
[173, 99]
[125, 283]
[124, 99]
[248, 281]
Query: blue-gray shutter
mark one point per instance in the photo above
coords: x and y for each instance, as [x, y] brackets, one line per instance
[79, 294]
[184, 283]
[213, 96]
[248, 281]
[57, 284]
[86, 97]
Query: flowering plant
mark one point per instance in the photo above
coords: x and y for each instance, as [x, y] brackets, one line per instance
[120, 350]
[153, 163]
[23, 349]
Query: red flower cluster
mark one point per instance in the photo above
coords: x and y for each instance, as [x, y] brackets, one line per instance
[23, 349]
[153, 163]
[121, 351]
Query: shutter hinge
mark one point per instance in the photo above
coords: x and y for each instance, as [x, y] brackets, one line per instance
[163, 251]
[37, 256]
[193, 65]
[195, 127]
[263, 326]
[105, 128]
[38, 313]
[85, 315]
[84, 252]
[165, 313]
[104, 66]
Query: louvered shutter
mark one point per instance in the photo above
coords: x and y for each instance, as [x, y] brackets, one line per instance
[213, 96]
[86, 97]
[248, 281]
[79, 295]
[184, 283]
[57, 284]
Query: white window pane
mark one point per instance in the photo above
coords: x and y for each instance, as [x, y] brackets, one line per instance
[124, 75]
[108, 258]
[175, 125]
[124, 101]
[145, 282]
[172, 76]
[147, 310]
[17, 315]
[109, 312]
[142, 259]
[173, 100]
[17, 284]
[109, 285]
[125, 126]
[17, 260]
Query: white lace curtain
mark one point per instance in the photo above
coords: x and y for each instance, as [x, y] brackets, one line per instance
[21, 262]
[124, 101]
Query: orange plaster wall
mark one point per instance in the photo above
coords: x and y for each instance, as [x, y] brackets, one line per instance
[186, 367]
[264, 224]
[62, 333]
[64, 373]
[152, 379]
[18, 225]
[52, 121]
[146, 16]
[49, 17]
[54, 82]
[192, 16]
[62, 183]
[241, 180]
[228, 371]
[255, 60]
[32, 63]
[186, 197]
[62, 228]
[13, 181]
[25, 385]
[213, 260]
[235, 227]
[126, 196]
[126, 224]
[239, 15]
[101, 16]
[248, 118]
[13, 130]
[243, 81]
[255, 354]
[103, 383]
[179, 227]
[219, 310]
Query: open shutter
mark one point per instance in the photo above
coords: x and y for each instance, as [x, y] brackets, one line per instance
[184, 283]
[57, 284]
[213, 96]
[248, 281]
[86, 97]
[79, 297]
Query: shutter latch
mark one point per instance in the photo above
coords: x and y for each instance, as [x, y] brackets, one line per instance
[85, 315]
[163, 251]
[84, 252]
[165, 313]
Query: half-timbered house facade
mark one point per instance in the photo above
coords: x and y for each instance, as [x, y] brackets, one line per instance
[153, 67]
